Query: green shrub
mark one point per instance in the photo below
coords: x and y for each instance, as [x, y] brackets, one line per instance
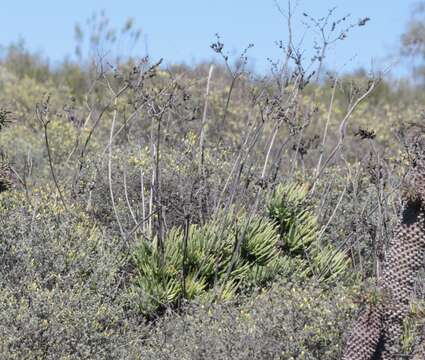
[60, 287]
[291, 321]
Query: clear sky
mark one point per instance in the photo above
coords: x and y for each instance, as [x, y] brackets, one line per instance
[182, 31]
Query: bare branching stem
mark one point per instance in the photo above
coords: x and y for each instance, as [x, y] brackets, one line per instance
[43, 117]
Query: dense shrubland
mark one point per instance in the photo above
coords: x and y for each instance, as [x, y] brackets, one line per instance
[190, 213]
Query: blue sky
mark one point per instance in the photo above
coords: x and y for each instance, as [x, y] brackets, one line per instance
[181, 31]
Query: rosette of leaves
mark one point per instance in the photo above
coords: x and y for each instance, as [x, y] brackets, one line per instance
[328, 263]
[193, 265]
[294, 216]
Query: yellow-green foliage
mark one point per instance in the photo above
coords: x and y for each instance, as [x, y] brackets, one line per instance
[22, 95]
[22, 144]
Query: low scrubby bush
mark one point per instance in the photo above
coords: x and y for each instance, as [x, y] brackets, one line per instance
[291, 321]
[60, 285]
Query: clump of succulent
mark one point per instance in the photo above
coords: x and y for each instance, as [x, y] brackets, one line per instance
[293, 213]
[234, 253]
[294, 216]
[205, 258]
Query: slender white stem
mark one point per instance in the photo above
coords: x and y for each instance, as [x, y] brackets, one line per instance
[204, 115]
[114, 118]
